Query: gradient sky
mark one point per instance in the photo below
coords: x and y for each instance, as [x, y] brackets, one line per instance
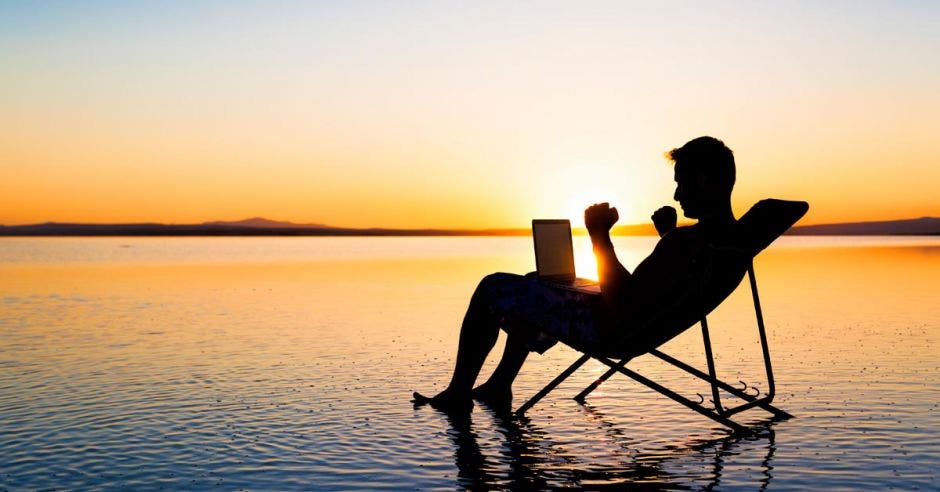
[439, 114]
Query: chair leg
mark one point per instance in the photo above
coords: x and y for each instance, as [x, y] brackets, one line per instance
[554, 383]
[771, 385]
[763, 403]
[597, 382]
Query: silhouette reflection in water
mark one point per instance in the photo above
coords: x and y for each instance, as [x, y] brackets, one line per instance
[528, 459]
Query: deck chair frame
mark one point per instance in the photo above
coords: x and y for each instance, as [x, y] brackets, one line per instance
[718, 412]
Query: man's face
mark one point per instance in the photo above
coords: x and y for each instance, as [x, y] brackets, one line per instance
[690, 192]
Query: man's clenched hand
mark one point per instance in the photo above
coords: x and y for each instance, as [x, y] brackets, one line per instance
[664, 219]
[600, 217]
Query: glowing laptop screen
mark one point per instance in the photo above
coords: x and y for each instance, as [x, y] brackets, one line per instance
[554, 254]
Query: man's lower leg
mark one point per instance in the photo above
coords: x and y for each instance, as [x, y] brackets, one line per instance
[498, 388]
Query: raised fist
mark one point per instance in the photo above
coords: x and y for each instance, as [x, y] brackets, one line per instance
[600, 217]
[664, 219]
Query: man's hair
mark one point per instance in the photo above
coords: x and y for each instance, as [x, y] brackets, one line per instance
[709, 156]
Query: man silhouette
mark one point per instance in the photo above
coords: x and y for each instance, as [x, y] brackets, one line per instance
[535, 315]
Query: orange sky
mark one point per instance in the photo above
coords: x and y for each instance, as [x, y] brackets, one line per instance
[459, 116]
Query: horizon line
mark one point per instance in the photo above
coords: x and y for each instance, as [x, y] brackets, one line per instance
[313, 225]
[261, 226]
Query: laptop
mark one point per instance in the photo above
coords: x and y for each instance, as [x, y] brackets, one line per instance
[554, 256]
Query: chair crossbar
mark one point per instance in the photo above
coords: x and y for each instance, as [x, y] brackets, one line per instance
[751, 400]
[555, 382]
[760, 402]
[737, 428]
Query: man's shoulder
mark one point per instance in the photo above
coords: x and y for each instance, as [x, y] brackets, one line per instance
[684, 233]
[679, 241]
[688, 229]
[697, 237]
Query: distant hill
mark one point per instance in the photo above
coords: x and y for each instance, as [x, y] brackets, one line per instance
[264, 223]
[258, 226]
[924, 226]
[249, 227]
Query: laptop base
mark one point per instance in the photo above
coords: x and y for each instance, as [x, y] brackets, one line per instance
[582, 285]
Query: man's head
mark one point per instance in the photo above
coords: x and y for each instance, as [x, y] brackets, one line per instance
[704, 170]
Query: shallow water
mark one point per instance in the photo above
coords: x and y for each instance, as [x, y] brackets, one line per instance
[288, 363]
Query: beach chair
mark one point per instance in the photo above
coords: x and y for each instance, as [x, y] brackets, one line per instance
[727, 264]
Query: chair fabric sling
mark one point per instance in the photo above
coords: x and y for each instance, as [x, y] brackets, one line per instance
[729, 261]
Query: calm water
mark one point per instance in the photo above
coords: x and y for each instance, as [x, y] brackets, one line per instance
[288, 363]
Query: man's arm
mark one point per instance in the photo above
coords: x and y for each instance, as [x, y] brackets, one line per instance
[613, 275]
[598, 219]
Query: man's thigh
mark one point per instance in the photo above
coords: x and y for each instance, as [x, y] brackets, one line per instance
[522, 304]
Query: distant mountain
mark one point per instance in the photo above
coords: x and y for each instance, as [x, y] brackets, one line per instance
[265, 223]
[924, 226]
[258, 226]
[249, 227]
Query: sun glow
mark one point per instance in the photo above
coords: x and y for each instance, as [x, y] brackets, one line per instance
[578, 203]
[585, 263]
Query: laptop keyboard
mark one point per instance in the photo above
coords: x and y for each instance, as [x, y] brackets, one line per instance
[582, 282]
[584, 285]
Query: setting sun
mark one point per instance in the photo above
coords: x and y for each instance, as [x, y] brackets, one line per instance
[585, 264]
[583, 200]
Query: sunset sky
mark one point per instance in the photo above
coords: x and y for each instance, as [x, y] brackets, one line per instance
[459, 114]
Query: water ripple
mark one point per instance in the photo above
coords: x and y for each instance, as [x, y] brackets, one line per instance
[239, 376]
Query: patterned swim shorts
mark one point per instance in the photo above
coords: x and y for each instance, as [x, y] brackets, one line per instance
[543, 314]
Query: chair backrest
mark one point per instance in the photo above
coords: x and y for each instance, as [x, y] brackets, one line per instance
[763, 224]
[728, 260]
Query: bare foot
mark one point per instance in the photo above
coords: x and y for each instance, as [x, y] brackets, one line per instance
[445, 401]
[495, 395]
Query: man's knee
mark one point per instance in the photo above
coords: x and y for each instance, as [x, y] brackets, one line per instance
[496, 285]
[497, 279]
